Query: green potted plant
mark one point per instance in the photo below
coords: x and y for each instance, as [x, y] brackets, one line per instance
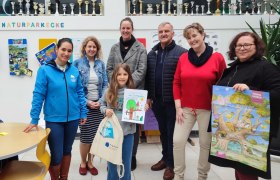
[270, 34]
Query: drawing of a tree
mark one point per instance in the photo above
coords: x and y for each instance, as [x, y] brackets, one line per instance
[240, 98]
[241, 126]
[131, 107]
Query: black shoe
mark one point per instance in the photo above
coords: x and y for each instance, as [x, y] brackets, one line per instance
[133, 163]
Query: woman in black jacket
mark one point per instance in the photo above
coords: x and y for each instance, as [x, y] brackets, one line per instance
[250, 71]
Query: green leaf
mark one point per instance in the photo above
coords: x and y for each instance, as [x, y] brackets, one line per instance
[274, 33]
[270, 34]
[263, 31]
[252, 29]
[273, 60]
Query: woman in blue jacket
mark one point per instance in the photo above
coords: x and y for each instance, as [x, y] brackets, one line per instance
[58, 87]
[94, 80]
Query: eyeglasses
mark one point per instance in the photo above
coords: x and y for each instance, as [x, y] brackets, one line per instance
[245, 46]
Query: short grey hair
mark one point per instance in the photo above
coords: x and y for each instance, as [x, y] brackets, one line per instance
[165, 23]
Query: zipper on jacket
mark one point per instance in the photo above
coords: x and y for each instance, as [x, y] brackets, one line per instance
[66, 95]
[236, 68]
[154, 95]
[162, 61]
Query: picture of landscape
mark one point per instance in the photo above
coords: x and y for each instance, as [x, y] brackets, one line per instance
[18, 57]
[240, 126]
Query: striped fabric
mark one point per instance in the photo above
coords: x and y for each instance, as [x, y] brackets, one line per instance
[88, 130]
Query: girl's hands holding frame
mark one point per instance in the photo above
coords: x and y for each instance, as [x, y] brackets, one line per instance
[148, 104]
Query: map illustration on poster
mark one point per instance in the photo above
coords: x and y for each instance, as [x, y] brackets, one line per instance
[46, 54]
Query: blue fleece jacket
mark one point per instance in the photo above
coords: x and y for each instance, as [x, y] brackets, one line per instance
[61, 93]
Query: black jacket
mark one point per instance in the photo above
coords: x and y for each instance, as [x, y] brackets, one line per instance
[258, 75]
[169, 67]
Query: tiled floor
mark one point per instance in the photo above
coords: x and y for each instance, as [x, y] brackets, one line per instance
[147, 155]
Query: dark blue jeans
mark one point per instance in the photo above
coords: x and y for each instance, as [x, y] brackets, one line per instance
[165, 113]
[61, 139]
[126, 158]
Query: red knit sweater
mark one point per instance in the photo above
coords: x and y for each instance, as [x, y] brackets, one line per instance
[193, 85]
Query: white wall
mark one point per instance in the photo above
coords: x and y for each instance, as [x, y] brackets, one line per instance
[16, 92]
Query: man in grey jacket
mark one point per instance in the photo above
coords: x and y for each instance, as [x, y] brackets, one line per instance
[161, 66]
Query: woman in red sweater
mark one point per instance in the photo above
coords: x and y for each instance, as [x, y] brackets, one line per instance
[197, 70]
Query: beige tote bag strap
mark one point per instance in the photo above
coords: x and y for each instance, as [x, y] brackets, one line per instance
[119, 167]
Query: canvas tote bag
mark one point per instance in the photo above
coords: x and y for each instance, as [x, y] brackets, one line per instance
[108, 141]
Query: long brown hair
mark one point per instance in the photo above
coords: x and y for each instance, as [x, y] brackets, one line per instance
[112, 93]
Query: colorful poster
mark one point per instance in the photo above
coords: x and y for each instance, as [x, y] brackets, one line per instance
[134, 105]
[18, 57]
[46, 54]
[240, 126]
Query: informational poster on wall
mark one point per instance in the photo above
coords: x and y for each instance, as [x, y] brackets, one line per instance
[46, 54]
[18, 57]
[77, 43]
[134, 105]
[240, 126]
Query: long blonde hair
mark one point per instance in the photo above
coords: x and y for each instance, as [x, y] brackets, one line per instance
[112, 93]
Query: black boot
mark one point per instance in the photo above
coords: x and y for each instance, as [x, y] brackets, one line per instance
[133, 163]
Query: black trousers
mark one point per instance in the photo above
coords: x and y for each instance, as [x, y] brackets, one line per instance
[165, 114]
